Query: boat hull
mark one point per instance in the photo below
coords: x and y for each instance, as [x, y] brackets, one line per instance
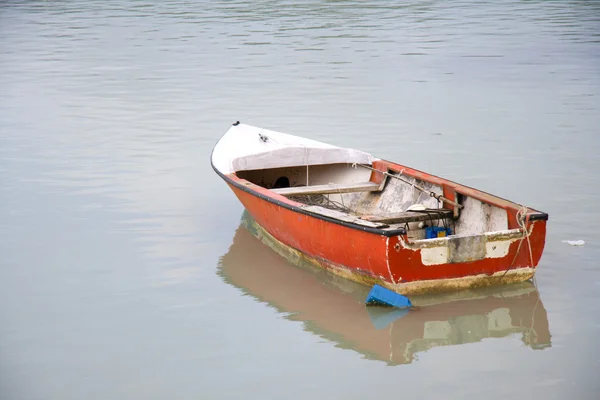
[370, 258]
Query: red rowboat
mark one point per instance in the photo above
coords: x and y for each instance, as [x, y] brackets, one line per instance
[375, 221]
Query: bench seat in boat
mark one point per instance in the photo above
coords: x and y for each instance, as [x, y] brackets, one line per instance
[330, 188]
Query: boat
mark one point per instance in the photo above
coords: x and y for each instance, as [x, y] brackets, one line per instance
[374, 221]
[332, 307]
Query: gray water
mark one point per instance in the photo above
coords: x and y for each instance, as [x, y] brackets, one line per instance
[125, 271]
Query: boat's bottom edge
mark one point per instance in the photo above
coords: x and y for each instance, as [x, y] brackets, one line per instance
[295, 256]
[466, 282]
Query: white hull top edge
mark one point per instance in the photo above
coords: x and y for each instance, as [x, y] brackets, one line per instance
[245, 147]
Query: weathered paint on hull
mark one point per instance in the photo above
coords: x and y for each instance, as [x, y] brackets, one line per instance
[370, 258]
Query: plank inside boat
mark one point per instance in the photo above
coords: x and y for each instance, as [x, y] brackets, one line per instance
[328, 189]
[344, 217]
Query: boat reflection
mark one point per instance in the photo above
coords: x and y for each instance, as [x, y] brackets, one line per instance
[333, 307]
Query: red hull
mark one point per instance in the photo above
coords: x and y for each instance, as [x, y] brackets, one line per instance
[370, 257]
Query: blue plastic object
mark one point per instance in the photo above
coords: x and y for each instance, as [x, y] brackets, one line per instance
[436, 232]
[385, 297]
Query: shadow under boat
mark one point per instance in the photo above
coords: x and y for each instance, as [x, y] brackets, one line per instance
[333, 308]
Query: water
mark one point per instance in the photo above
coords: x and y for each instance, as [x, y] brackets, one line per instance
[120, 257]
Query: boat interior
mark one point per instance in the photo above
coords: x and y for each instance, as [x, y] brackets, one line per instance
[349, 192]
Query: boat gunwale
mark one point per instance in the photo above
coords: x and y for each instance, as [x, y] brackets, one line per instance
[536, 216]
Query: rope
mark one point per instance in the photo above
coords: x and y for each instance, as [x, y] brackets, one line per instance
[436, 196]
[533, 317]
[340, 194]
[521, 220]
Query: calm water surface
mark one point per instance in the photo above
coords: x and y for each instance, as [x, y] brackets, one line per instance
[125, 267]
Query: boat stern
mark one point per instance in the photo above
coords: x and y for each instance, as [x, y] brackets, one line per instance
[465, 261]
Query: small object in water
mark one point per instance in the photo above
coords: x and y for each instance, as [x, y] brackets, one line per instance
[574, 242]
[382, 296]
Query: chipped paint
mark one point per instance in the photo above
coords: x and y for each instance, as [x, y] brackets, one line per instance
[466, 249]
[387, 260]
[396, 197]
[297, 257]
[435, 255]
[467, 282]
[497, 249]
[461, 248]
[477, 217]
[512, 234]
[416, 287]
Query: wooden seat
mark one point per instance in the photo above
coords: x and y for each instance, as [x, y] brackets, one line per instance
[342, 216]
[328, 189]
[430, 214]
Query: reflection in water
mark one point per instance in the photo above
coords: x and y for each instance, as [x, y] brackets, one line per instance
[333, 308]
[110, 211]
